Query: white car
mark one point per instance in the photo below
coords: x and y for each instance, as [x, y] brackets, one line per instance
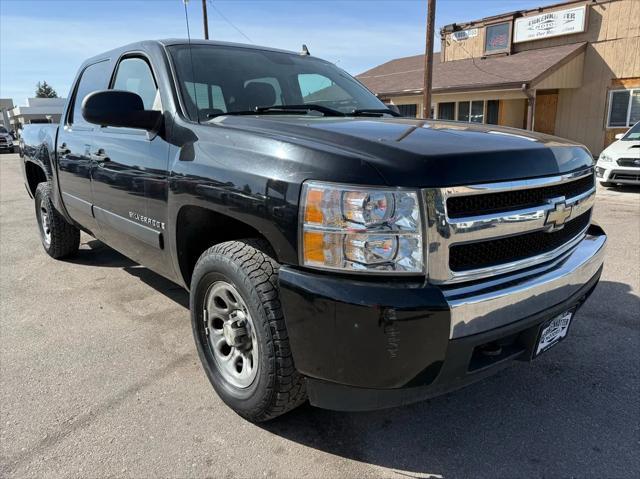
[619, 163]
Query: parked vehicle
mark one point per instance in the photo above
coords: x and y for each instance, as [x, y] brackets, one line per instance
[333, 251]
[6, 140]
[619, 163]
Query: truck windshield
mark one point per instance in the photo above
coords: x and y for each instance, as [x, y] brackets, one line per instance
[216, 80]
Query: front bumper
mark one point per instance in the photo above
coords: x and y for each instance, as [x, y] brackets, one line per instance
[611, 173]
[365, 344]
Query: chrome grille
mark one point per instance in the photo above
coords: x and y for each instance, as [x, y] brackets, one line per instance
[502, 227]
[473, 205]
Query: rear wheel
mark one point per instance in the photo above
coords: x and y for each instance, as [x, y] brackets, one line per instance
[240, 332]
[59, 238]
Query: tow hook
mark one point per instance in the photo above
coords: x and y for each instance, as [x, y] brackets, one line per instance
[491, 349]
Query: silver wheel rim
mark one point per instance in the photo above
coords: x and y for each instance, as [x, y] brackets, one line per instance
[45, 225]
[231, 334]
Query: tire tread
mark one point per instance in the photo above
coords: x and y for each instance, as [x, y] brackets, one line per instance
[288, 389]
[65, 237]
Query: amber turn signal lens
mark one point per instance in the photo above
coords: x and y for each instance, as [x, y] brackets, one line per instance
[313, 245]
[313, 210]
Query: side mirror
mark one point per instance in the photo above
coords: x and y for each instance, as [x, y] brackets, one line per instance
[619, 136]
[119, 108]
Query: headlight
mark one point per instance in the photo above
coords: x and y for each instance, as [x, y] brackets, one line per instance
[605, 158]
[352, 228]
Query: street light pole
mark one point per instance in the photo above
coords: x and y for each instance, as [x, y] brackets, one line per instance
[205, 20]
[428, 59]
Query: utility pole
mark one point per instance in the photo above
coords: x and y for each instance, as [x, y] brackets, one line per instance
[205, 20]
[428, 59]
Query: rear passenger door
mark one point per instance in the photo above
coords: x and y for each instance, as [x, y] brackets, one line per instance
[130, 175]
[75, 143]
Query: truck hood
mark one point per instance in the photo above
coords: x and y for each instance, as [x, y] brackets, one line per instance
[409, 152]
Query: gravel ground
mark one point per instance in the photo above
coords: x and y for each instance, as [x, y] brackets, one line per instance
[99, 378]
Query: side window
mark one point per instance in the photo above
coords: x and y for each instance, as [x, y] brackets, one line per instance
[134, 75]
[206, 96]
[94, 77]
[315, 87]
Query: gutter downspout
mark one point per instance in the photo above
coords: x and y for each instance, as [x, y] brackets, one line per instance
[531, 105]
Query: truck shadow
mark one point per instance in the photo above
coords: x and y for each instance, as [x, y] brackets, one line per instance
[566, 414]
[569, 413]
[95, 253]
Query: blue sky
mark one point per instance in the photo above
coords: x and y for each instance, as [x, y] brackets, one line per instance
[48, 39]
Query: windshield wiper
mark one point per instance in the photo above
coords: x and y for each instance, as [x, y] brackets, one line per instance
[375, 112]
[281, 110]
[254, 112]
[299, 108]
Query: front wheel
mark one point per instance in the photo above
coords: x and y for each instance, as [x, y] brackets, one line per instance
[240, 333]
[59, 238]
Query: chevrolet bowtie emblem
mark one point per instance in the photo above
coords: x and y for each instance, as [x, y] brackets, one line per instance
[557, 216]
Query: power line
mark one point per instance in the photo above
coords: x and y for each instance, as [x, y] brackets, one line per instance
[230, 22]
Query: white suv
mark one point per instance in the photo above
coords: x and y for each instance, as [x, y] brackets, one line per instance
[620, 161]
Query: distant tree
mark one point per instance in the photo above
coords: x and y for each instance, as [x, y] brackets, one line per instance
[44, 90]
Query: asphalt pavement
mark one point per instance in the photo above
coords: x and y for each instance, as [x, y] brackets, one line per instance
[99, 378]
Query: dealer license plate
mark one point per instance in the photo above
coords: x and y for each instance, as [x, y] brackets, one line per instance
[553, 331]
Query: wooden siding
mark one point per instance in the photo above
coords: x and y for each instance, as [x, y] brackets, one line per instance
[546, 111]
[459, 50]
[568, 75]
[613, 45]
[513, 113]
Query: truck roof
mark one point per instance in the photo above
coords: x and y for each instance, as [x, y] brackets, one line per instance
[145, 44]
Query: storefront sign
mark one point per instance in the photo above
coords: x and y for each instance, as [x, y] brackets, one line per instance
[552, 24]
[464, 35]
[497, 38]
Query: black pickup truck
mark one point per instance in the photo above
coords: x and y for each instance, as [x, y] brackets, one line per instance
[334, 251]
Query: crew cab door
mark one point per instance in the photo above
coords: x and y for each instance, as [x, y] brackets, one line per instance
[74, 147]
[129, 176]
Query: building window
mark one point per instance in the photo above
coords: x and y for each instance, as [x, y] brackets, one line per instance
[624, 108]
[463, 111]
[493, 112]
[447, 111]
[477, 112]
[409, 111]
[497, 38]
[472, 111]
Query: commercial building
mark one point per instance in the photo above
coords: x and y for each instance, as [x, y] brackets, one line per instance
[37, 110]
[569, 69]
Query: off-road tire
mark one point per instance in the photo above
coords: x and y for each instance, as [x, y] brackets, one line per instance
[249, 267]
[64, 238]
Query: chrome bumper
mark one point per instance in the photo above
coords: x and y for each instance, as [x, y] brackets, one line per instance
[495, 303]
